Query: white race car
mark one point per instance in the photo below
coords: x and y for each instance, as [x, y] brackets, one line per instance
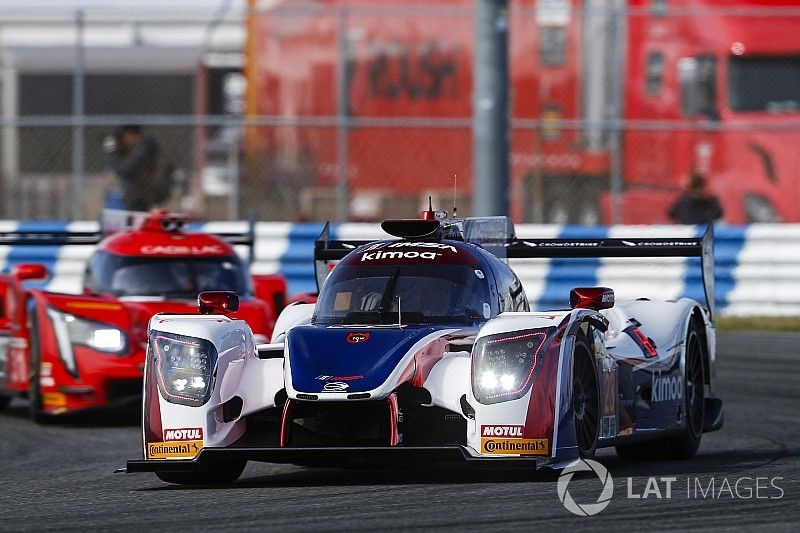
[423, 349]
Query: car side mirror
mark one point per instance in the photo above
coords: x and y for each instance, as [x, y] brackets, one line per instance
[217, 302]
[26, 271]
[591, 298]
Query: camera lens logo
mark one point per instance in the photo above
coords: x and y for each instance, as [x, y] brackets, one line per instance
[585, 509]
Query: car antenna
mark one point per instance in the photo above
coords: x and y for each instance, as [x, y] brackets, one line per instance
[399, 315]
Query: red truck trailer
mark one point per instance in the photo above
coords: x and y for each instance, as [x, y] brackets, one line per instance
[613, 103]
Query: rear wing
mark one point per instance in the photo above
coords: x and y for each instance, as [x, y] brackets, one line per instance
[702, 247]
[327, 252]
[62, 237]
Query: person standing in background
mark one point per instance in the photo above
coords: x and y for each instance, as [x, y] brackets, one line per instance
[133, 156]
[696, 205]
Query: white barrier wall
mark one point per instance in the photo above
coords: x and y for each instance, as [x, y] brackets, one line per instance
[757, 267]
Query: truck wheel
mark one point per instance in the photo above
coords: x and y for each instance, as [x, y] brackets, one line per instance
[4, 401]
[216, 473]
[686, 444]
[585, 400]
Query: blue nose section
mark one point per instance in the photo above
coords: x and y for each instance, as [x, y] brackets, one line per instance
[361, 358]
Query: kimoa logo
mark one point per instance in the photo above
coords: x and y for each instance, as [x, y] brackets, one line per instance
[398, 255]
[585, 509]
[666, 388]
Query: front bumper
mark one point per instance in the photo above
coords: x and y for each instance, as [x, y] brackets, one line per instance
[336, 457]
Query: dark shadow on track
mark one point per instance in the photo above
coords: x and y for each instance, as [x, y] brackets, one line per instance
[90, 418]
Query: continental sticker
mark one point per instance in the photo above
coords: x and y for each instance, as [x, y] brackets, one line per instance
[174, 450]
[54, 399]
[501, 446]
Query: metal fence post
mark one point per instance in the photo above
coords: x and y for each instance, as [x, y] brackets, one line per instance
[342, 120]
[233, 175]
[78, 154]
[490, 108]
[617, 108]
[9, 145]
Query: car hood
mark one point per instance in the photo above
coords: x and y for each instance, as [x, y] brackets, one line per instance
[360, 359]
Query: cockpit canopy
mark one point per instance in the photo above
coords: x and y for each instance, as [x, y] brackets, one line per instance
[406, 292]
[169, 277]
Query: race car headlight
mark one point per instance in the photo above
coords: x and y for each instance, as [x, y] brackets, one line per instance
[184, 367]
[72, 331]
[503, 365]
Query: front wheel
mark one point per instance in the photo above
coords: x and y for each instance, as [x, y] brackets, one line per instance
[36, 410]
[216, 473]
[585, 400]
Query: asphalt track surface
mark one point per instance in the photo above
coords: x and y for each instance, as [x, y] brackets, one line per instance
[62, 477]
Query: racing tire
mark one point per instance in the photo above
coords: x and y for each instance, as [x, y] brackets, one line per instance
[216, 473]
[35, 411]
[585, 400]
[685, 445]
[4, 401]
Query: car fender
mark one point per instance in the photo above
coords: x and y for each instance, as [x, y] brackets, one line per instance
[234, 355]
[293, 315]
[449, 381]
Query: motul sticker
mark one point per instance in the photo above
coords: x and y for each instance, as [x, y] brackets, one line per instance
[183, 434]
[502, 431]
[515, 446]
[174, 450]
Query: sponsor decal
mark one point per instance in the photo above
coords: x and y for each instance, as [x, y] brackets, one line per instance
[403, 244]
[357, 337]
[339, 378]
[97, 306]
[515, 446]
[54, 399]
[173, 249]
[395, 250]
[666, 388]
[183, 434]
[174, 450]
[335, 386]
[502, 431]
[398, 255]
[569, 244]
[607, 297]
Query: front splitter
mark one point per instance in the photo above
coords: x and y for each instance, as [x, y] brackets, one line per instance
[341, 457]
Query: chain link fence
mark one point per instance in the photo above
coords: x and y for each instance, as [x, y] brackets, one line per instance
[347, 111]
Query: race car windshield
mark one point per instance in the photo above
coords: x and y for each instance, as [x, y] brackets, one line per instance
[410, 294]
[171, 277]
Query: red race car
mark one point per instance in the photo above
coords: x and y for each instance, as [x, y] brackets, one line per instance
[70, 352]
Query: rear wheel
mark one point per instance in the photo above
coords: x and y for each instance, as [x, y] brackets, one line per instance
[686, 444]
[4, 401]
[215, 473]
[585, 400]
